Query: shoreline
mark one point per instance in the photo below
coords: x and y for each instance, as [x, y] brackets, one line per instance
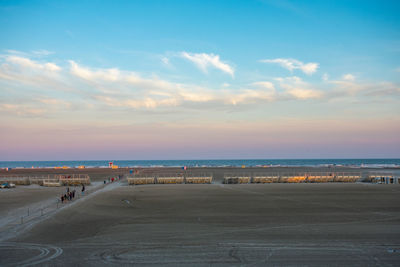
[180, 168]
[202, 163]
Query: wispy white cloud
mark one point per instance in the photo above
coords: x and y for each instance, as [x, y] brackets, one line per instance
[134, 91]
[128, 89]
[21, 110]
[33, 73]
[54, 102]
[296, 88]
[112, 74]
[15, 52]
[292, 64]
[204, 61]
[325, 77]
[42, 52]
[165, 60]
[125, 90]
[250, 96]
[348, 86]
[28, 63]
[264, 84]
[36, 106]
[386, 89]
[348, 77]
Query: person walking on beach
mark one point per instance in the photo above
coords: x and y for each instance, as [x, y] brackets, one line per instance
[83, 189]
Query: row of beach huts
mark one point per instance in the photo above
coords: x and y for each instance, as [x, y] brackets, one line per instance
[180, 178]
[294, 178]
[171, 179]
[205, 178]
[48, 180]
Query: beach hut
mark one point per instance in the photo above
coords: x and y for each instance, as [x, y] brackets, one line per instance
[73, 179]
[170, 180]
[263, 179]
[347, 177]
[296, 179]
[320, 178]
[237, 179]
[52, 183]
[384, 179]
[292, 178]
[198, 180]
[140, 180]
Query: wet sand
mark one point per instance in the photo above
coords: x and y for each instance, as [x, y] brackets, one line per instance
[252, 224]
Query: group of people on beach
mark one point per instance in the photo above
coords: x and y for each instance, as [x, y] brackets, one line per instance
[112, 179]
[70, 195]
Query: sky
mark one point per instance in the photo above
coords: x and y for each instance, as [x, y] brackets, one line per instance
[82, 80]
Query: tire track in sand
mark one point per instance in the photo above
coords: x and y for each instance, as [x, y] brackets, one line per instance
[47, 253]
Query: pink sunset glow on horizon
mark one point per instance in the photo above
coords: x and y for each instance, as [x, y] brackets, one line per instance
[295, 139]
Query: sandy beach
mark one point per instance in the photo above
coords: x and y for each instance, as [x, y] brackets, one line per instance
[209, 224]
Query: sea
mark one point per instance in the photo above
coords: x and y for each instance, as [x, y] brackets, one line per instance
[365, 163]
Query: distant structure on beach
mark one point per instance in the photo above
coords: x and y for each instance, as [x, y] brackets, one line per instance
[112, 166]
[384, 179]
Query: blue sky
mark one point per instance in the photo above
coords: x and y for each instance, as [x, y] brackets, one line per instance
[221, 66]
[343, 36]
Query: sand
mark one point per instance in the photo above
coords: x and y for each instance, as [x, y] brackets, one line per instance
[223, 225]
[25, 196]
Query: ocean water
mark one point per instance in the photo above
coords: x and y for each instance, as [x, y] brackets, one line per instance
[372, 163]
